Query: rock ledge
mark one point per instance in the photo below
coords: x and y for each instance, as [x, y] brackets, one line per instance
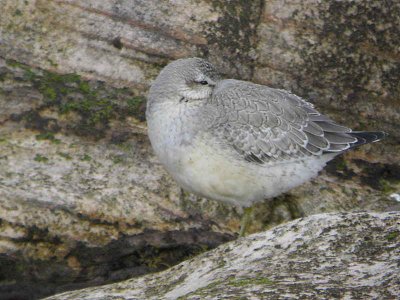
[352, 255]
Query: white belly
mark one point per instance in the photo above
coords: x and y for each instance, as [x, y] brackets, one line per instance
[216, 174]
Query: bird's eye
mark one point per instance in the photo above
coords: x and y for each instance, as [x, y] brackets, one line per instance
[203, 82]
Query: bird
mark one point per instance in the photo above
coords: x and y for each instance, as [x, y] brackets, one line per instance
[236, 141]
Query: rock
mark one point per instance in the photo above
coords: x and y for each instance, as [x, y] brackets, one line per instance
[341, 55]
[82, 198]
[127, 42]
[83, 201]
[323, 256]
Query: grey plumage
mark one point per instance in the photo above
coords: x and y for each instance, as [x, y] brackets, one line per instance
[237, 141]
[274, 124]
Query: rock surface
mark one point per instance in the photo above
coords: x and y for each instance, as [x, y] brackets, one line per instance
[342, 55]
[327, 256]
[83, 201]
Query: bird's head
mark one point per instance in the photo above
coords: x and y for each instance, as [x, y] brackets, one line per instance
[185, 80]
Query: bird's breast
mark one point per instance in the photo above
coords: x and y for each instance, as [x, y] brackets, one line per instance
[170, 129]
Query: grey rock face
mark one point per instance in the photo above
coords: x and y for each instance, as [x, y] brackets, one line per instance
[82, 199]
[126, 41]
[323, 256]
[342, 55]
[78, 180]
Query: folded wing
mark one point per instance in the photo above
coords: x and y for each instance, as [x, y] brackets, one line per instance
[265, 124]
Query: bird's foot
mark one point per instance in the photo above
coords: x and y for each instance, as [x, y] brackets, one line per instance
[245, 221]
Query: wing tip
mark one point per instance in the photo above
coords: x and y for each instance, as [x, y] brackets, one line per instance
[366, 137]
[361, 138]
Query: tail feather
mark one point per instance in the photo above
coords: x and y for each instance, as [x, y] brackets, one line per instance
[366, 137]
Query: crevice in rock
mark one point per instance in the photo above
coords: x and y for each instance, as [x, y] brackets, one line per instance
[83, 266]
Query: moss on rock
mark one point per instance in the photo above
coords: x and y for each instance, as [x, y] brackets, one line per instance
[94, 103]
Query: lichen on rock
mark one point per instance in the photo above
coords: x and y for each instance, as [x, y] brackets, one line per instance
[322, 256]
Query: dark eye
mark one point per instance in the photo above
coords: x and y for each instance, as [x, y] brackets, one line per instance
[203, 82]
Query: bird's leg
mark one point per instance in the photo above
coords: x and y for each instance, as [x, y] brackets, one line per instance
[245, 221]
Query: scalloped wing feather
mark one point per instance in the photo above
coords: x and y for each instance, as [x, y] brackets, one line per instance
[265, 124]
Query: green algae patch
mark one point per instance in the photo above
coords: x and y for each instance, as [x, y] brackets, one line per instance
[64, 155]
[48, 136]
[86, 107]
[240, 282]
[85, 157]
[40, 158]
[392, 235]
[135, 103]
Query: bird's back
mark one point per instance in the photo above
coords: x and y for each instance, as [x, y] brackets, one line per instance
[264, 124]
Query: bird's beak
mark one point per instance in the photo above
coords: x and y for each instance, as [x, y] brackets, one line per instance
[212, 83]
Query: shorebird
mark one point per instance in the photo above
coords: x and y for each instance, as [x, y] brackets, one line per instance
[236, 141]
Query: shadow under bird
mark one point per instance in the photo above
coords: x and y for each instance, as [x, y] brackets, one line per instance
[236, 141]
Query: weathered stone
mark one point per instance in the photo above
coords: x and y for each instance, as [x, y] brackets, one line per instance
[82, 199]
[327, 256]
[341, 55]
[126, 42]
